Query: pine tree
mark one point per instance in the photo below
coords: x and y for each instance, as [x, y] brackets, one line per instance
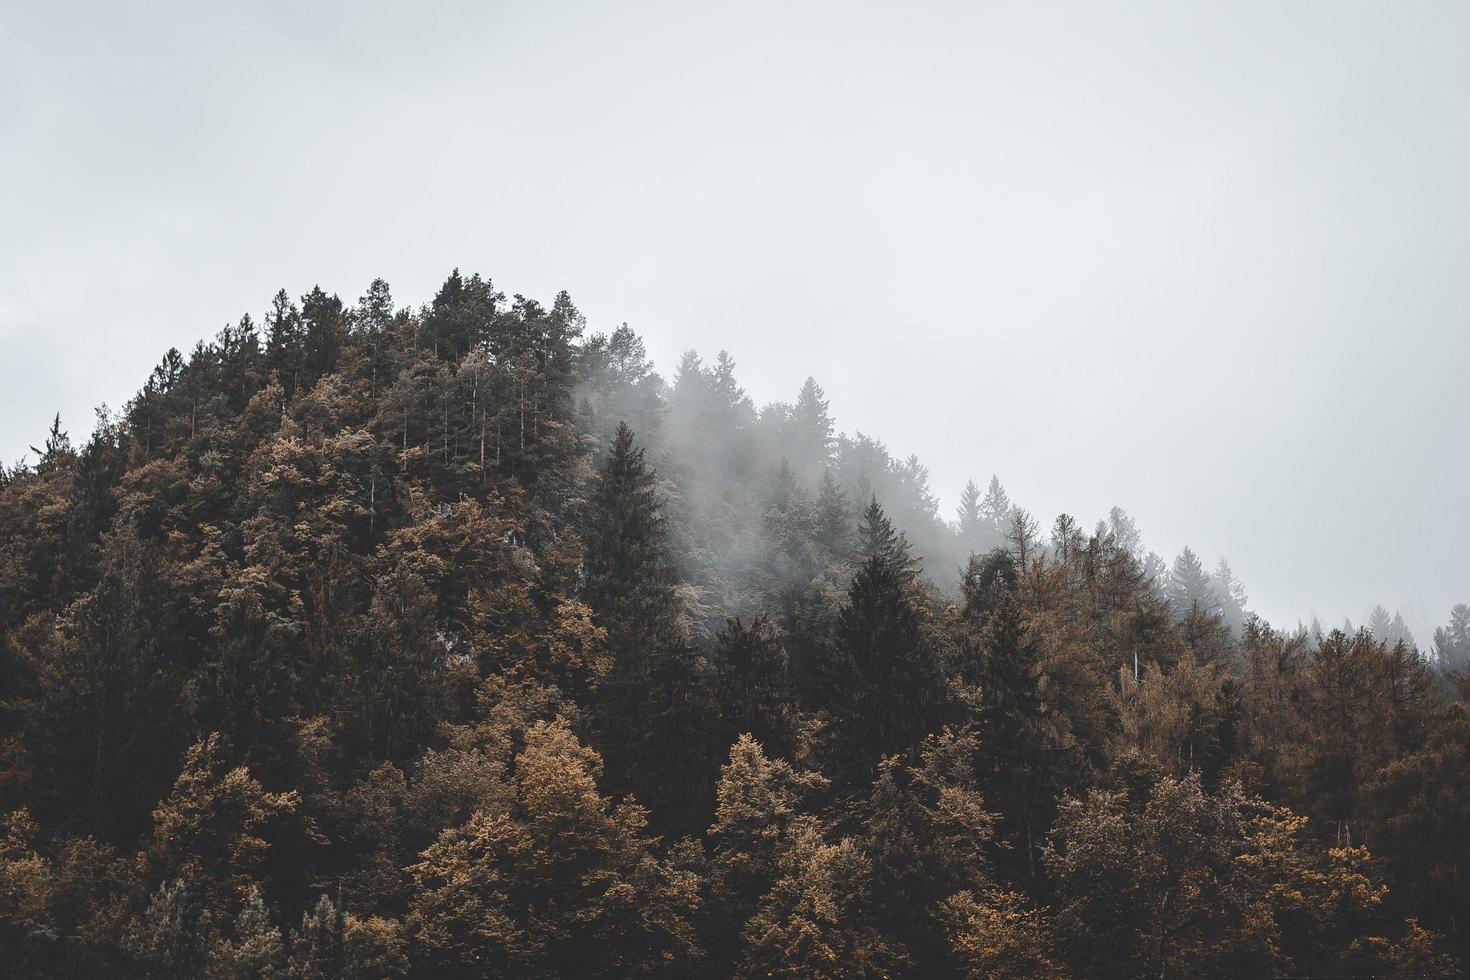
[1452, 642]
[877, 540]
[1231, 595]
[762, 805]
[996, 507]
[324, 331]
[1380, 625]
[1398, 632]
[284, 353]
[372, 324]
[970, 520]
[628, 583]
[652, 710]
[812, 428]
[754, 683]
[1025, 761]
[833, 519]
[1190, 587]
[885, 684]
[57, 452]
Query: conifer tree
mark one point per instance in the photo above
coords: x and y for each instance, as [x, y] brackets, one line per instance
[323, 332]
[1452, 642]
[628, 583]
[1024, 762]
[812, 428]
[754, 682]
[762, 805]
[886, 689]
[996, 507]
[652, 706]
[877, 540]
[1380, 625]
[284, 353]
[833, 518]
[1190, 587]
[1230, 593]
[970, 521]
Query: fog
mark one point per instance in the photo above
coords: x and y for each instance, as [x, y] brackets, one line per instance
[1205, 262]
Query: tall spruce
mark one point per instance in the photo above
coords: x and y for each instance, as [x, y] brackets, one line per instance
[969, 520]
[653, 708]
[1190, 587]
[886, 686]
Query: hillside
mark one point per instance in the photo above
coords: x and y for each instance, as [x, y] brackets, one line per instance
[373, 642]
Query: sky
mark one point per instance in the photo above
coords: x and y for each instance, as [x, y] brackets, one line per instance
[1204, 261]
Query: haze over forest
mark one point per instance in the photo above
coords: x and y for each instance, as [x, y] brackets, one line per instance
[1236, 236]
[791, 490]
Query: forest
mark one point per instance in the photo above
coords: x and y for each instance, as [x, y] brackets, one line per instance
[374, 641]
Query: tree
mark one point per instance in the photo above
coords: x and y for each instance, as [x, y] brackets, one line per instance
[1230, 592]
[324, 331]
[562, 883]
[812, 430]
[284, 350]
[1398, 632]
[877, 540]
[1189, 587]
[996, 507]
[1025, 758]
[833, 519]
[930, 835]
[1421, 811]
[1380, 625]
[651, 705]
[1452, 642]
[57, 452]
[213, 830]
[107, 682]
[1178, 881]
[993, 935]
[886, 689]
[754, 682]
[817, 920]
[256, 951]
[1173, 715]
[763, 806]
[970, 521]
[1363, 706]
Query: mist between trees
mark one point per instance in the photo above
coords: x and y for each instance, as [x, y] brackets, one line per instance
[456, 641]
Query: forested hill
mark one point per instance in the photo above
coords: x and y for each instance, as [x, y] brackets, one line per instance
[374, 642]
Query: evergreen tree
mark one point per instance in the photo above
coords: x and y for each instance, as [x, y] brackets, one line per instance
[1452, 642]
[1398, 632]
[323, 331]
[1025, 761]
[996, 507]
[651, 710]
[1231, 595]
[754, 683]
[763, 807]
[1380, 625]
[878, 541]
[886, 688]
[970, 521]
[833, 519]
[812, 429]
[1190, 587]
[284, 343]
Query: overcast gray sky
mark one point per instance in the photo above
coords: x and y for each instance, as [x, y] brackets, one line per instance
[1207, 261]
